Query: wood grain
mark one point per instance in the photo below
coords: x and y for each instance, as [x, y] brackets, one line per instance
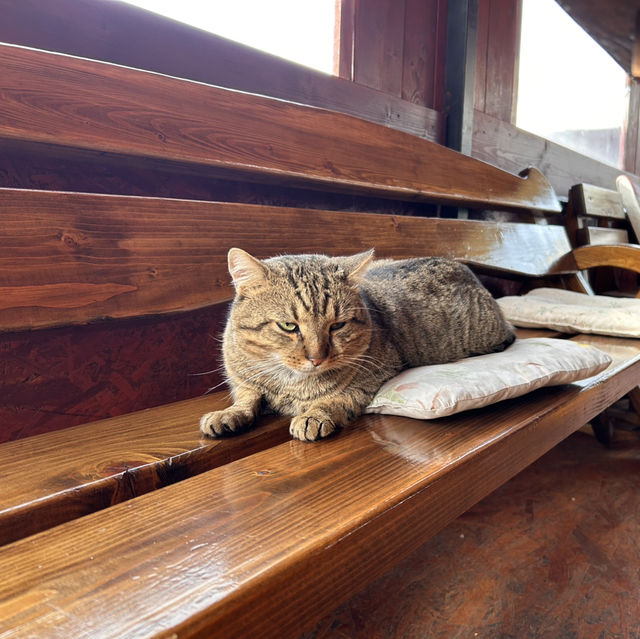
[127, 35]
[93, 466]
[625, 256]
[312, 523]
[85, 257]
[511, 148]
[97, 107]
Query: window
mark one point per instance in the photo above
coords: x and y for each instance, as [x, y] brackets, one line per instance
[298, 30]
[570, 90]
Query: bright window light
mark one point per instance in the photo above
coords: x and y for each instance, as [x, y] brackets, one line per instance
[570, 90]
[298, 30]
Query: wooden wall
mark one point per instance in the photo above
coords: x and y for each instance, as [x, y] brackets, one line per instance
[406, 58]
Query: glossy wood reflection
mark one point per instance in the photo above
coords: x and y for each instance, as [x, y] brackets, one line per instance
[99, 107]
[552, 553]
[86, 257]
[196, 554]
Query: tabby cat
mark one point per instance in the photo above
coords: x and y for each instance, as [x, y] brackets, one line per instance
[314, 337]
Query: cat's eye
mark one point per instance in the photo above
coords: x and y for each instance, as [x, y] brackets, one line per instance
[287, 327]
[337, 326]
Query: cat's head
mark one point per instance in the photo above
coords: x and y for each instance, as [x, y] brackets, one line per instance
[300, 313]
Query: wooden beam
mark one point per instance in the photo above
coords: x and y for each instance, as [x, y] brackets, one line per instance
[462, 34]
[87, 257]
[101, 108]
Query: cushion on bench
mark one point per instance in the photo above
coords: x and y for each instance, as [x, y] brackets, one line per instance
[571, 312]
[429, 392]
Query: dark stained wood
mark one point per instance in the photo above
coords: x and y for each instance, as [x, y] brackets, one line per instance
[497, 58]
[311, 523]
[102, 108]
[538, 543]
[344, 39]
[127, 35]
[379, 44]
[423, 54]
[93, 466]
[57, 378]
[85, 257]
[612, 25]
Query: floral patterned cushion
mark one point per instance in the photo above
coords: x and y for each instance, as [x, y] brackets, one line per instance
[429, 392]
[571, 312]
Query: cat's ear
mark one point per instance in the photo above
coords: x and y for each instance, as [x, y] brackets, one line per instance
[245, 269]
[357, 265]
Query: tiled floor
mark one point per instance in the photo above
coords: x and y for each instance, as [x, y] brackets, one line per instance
[553, 554]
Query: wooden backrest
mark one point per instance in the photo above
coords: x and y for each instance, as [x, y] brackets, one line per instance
[73, 258]
[86, 107]
[595, 215]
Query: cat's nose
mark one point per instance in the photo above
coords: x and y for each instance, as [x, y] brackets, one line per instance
[316, 361]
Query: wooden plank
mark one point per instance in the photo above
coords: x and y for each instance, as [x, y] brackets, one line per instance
[96, 465]
[501, 63]
[598, 202]
[379, 45]
[127, 35]
[625, 256]
[310, 522]
[511, 148]
[631, 204]
[98, 107]
[85, 257]
[424, 51]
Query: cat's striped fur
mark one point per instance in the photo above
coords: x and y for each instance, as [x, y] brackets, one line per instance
[314, 337]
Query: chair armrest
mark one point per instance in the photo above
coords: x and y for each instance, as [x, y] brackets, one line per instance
[625, 256]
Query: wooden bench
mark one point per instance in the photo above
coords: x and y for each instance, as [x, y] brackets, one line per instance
[606, 218]
[135, 526]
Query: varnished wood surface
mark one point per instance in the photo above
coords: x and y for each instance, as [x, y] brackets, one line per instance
[93, 466]
[84, 257]
[127, 35]
[312, 523]
[539, 557]
[625, 256]
[96, 465]
[82, 104]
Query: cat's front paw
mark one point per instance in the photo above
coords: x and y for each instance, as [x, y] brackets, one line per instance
[221, 423]
[312, 427]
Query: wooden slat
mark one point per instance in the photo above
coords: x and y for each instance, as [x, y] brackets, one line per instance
[602, 235]
[598, 202]
[121, 458]
[625, 256]
[86, 468]
[84, 257]
[312, 523]
[97, 107]
[124, 34]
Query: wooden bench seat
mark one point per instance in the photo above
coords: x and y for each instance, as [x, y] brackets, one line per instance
[136, 526]
[269, 543]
